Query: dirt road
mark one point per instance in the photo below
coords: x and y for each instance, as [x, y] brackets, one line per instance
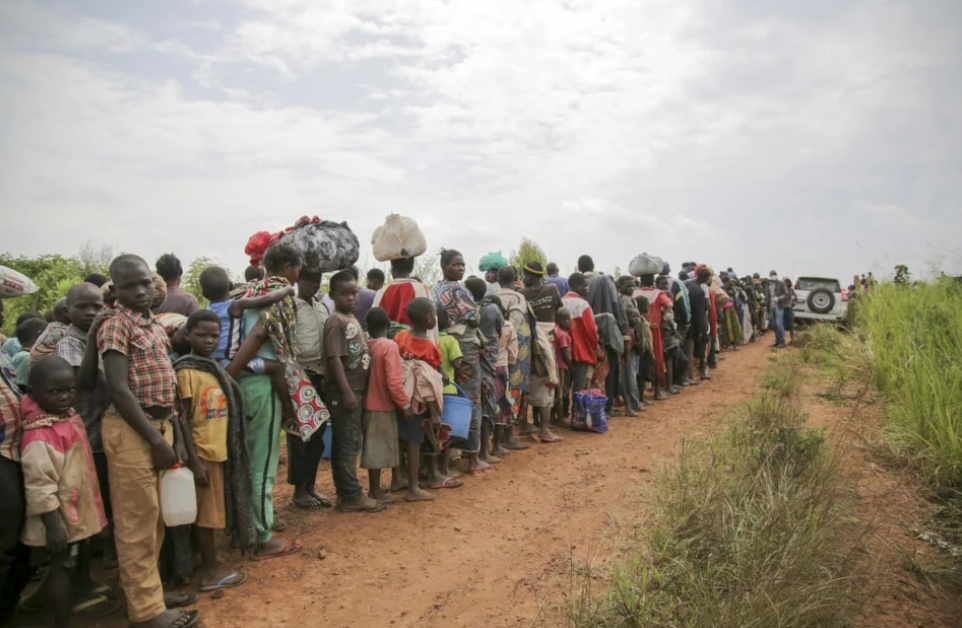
[493, 553]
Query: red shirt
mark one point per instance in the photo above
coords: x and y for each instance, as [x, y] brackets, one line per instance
[385, 388]
[418, 348]
[562, 340]
[584, 331]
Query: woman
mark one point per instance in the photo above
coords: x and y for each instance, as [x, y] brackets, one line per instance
[463, 319]
[262, 331]
[403, 289]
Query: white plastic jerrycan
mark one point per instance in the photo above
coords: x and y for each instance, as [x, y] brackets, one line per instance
[178, 498]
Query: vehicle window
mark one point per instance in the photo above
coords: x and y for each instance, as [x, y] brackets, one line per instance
[805, 283]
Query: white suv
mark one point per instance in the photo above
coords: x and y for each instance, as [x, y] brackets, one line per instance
[821, 299]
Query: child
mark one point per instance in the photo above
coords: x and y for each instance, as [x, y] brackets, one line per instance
[562, 345]
[138, 437]
[85, 307]
[348, 365]
[303, 458]
[507, 358]
[422, 377]
[585, 346]
[671, 344]
[490, 324]
[659, 304]
[629, 371]
[451, 356]
[215, 286]
[27, 334]
[64, 507]
[207, 412]
[385, 396]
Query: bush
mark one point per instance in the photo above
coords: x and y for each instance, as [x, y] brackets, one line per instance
[748, 534]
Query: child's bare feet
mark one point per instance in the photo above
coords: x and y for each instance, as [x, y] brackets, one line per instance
[418, 494]
[511, 442]
[383, 498]
[398, 485]
[499, 451]
[526, 428]
[478, 466]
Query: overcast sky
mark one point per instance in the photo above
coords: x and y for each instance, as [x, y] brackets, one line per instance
[822, 136]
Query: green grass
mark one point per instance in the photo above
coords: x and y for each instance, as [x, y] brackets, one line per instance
[915, 336]
[748, 533]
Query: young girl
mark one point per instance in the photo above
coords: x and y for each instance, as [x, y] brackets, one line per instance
[385, 396]
[64, 506]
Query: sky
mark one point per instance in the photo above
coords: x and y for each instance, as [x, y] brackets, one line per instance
[821, 137]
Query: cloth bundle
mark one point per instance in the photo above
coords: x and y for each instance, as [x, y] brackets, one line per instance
[493, 261]
[326, 246]
[645, 264]
[14, 284]
[397, 238]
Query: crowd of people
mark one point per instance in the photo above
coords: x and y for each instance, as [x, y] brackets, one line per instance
[128, 376]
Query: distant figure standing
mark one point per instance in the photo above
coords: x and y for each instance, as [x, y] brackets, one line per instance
[177, 302]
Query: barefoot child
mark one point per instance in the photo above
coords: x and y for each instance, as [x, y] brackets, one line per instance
[490, 324]
[385, 396]
[422, 373]
[208, 414]
[64, 507]
[348, 367]
[138, 438]
[643, 346]
[507, 358]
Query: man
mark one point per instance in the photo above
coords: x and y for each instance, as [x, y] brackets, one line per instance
[778, 299]
[177, 302]
[544, 300]
[698, 331]
[611, 320]
[375, 279]
[554, 278]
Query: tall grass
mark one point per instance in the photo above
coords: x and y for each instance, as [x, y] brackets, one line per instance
[915, 336]
[748, 533]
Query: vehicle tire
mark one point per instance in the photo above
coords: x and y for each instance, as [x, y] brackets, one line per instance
[821, 301]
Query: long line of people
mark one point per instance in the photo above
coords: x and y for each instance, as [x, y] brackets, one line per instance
[131, 378]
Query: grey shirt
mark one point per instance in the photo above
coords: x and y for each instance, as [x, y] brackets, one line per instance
[178, 302]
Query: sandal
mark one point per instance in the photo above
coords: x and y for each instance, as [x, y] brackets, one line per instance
[290, 547]
[227, 582]
[448, 483]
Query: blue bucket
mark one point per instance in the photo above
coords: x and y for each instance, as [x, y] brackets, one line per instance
[327, 440]
[457, 413]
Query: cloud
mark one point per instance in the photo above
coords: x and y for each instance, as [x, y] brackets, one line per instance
[736, 133]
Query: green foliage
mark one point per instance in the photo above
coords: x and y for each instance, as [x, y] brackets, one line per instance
[528, 251]
[749, 534]
[915, 336]
[902, 275]
[191, 279]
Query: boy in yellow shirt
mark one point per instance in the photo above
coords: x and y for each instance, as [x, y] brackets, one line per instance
[207, 410]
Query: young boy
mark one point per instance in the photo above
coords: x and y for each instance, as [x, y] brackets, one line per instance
[659, 303]
[490, 324]
[348, 366]
[64, 507]
[385, 396]
[54, 332]
[27, 334]
[138, 437]
[422, 373]
[304, 458]
[206, 411]
[585, 345]
[85, 307]
[629, 371]
[215, 286]
[562, 346]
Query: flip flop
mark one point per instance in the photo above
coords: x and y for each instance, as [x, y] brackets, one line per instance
[322, 500]
[187, 619]
[96, 606]
[309, 504]
[179, 599]
[290, 547]
[227, 582]
[448, 483]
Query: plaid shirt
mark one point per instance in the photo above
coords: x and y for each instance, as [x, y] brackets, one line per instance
[9, 416]
[143, 340]
[90, 404]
